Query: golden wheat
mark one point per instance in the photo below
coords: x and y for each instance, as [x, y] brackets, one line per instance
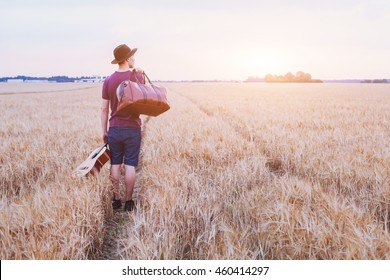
[232, 171]
[45, 213]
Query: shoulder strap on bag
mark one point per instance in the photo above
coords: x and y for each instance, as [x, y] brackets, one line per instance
[147, 78]
[134, 73]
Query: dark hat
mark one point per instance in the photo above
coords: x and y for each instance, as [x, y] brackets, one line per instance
[122, 52]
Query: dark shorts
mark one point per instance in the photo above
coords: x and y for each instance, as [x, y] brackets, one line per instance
[125, 144]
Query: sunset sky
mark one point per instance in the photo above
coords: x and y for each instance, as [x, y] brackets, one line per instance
[179, 40]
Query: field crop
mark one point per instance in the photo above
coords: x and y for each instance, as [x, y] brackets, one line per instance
[232, 171]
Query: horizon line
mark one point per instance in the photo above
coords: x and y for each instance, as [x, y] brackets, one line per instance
[254, 78]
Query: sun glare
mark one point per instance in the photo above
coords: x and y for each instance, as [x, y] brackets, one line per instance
[260, 65]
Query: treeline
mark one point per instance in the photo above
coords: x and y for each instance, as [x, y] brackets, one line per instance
[299, 77]
[58, 79]
[254, 79]
[376, 81]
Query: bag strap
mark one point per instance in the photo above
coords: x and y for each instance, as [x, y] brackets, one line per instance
[147, 78]
[134, 73]
[158, 94]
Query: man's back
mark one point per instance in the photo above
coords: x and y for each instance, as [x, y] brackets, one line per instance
[109, 93]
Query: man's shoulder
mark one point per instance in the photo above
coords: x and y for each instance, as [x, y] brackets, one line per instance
[109, 77]
[118, 76]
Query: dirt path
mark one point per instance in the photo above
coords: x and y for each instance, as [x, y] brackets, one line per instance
[115, 226]
[115, 231]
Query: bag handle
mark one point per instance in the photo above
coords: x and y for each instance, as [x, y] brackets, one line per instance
[155, 90]
[158, 94]
[147, 78]
[134, 73]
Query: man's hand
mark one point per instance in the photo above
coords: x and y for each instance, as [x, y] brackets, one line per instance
[105, 137]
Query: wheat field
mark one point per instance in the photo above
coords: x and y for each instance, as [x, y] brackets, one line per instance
[232, 171]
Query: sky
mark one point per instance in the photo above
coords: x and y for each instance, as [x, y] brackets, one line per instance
[192, 40]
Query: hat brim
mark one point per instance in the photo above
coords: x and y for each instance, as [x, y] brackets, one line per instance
[127, 56]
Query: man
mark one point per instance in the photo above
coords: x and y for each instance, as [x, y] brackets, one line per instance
[124, 134]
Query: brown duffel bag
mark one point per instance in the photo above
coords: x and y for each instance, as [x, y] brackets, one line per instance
[139, 98]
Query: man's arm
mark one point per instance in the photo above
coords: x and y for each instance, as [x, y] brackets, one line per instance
[104, 119]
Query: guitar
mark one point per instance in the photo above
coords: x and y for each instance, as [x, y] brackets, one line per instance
[94, 162]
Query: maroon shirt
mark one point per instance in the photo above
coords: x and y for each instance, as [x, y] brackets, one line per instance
[109, 93]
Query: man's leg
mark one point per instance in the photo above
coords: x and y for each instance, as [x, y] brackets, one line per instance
[129, 181]
[115, 176]
[132, 150]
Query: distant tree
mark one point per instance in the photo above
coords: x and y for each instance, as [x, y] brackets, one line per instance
[376, 81]
[254, 79]
[61, 79]
[289, 77]
[268, 78]
[300, 77]
[380, 81]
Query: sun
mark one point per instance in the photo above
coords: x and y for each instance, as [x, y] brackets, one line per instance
[261, 65]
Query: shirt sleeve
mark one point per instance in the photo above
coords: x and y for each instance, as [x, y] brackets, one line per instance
[105, 90]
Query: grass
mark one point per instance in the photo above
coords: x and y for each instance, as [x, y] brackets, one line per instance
[232, 171]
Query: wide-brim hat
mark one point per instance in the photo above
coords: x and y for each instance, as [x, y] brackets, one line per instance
[122, 52]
